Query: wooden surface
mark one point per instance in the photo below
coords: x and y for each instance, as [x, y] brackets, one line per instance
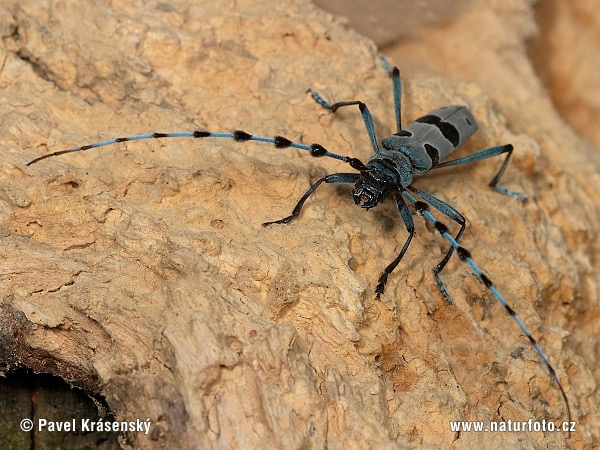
[142, 272]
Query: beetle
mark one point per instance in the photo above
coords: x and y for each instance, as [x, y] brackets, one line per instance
[409, 153]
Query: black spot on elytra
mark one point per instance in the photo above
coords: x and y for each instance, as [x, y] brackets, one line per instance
[433, 153]
[448, 130]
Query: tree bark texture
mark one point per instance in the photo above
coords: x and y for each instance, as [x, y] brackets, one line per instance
[141, 271]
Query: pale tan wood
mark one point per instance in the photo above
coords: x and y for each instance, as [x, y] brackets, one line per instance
[142, 270]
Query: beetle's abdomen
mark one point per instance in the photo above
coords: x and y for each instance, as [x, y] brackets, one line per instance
[431, 138]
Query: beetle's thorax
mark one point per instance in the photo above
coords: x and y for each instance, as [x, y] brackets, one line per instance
[385, 171]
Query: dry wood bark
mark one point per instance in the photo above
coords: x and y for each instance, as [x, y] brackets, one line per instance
[141, 271]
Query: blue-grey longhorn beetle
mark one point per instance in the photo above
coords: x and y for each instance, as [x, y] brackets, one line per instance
[409, 153]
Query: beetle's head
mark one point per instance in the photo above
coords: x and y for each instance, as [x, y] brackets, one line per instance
[373, 186]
